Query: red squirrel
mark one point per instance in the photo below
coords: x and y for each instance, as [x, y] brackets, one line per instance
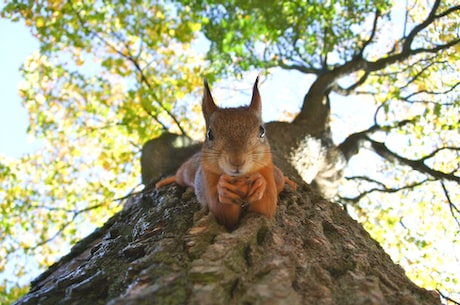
[234, 169]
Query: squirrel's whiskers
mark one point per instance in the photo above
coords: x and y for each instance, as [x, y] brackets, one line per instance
[235, 163]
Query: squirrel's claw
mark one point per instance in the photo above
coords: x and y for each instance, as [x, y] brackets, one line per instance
[291, 183]
[257, 187]
[228, 191]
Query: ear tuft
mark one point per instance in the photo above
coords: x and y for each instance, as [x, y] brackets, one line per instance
[208, 106]
[256, 103]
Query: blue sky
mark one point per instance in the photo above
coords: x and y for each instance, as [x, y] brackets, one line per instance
[17, 44]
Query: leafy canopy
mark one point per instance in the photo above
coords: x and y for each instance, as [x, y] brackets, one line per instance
[311, 34]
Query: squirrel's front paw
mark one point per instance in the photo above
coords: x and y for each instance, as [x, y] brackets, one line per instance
[257, 187]
[230, 190]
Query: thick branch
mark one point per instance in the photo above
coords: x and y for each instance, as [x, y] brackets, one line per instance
[417, 29]
[418, 165]
[351, 145]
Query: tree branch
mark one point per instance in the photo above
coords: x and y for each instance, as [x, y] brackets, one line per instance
[444, 296]
[451, 89]
[383, 188]
[351, 145]
[324, 58]
[373, 32]
[418, 28]
[453, 208]
[298, 67]
[144, 80]
[351, 89]
[406, 50]
[64, 225]
[433, 153]
[136, 64]
[384, 62]
[420, 73]
[382, 150]
[313, 106]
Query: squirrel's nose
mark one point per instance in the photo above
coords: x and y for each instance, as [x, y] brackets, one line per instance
[236, 164]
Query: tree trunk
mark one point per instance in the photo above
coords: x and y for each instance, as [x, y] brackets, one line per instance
[163, 249]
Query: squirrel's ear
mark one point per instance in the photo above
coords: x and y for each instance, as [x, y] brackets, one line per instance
[208, 106]
[256, 103]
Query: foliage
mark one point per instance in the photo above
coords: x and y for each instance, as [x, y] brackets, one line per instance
[13, 294]
[305, 34]
[108, 76]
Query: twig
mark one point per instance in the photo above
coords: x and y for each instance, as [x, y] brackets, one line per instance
[446, 297]
[133, 60]
[373, 32]
[63, 227]
[453, 208]
[384, 189]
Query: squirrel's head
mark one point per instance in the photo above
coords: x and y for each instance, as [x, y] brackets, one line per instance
[235, 143]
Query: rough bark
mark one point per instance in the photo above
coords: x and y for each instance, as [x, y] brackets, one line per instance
[163, 249]
[163, 155]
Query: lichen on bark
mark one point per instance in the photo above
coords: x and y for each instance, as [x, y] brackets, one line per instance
[164, 249]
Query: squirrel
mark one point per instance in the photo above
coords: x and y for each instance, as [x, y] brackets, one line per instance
[234, 170]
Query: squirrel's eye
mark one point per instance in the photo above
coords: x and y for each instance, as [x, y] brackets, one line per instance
[209, 135]
[261, 132]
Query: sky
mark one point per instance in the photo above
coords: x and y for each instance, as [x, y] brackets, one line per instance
[17, 43]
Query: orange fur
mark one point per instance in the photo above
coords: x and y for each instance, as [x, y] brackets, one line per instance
[234, 168]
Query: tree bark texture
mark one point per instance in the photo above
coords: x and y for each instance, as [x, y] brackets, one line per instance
[164, 249]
